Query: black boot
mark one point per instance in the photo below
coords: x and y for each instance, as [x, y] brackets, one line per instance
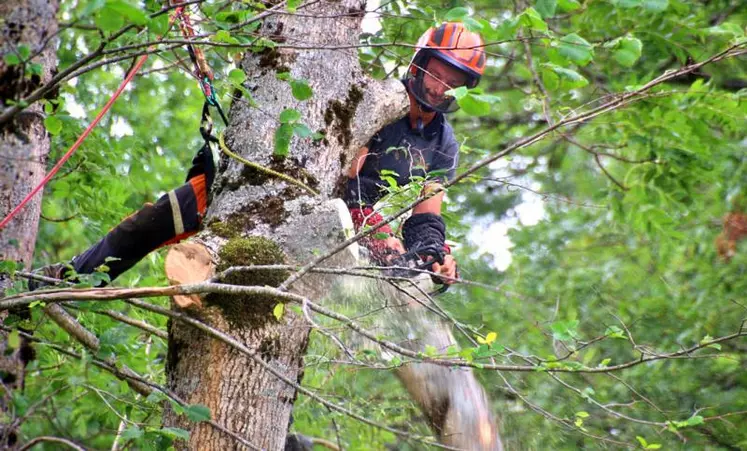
[54, 273]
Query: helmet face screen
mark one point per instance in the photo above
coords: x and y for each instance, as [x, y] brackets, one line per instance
[431, 83]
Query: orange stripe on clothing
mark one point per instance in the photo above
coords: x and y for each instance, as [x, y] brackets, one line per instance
[178, 238]
[200, 190]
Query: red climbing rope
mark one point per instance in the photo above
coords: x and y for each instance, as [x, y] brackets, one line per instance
[77, 143]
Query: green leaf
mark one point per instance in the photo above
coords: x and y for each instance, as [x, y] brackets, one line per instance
[467, 354]
[301, 89]
[381, 235]
[34, 69]
[582, 414]
[263, 43]
[14, 339]
[456, 14]
[656, 5]
[176, 407]
[129, 12]
[11, 59]
[554, 77]
[569, 5]
[24, 51]
[727, 28]
[283, 136]
[531, 19]
[234, 17]
[626, 50]
[198, 412]
[565, 330]
[53, 125]
[474, 106]
[8, 267]
[301, 130]
[131, 433]
[237, 76]
[159, 25]
[615, 332]
[173, 433]
[155, 397]
[292, 5]
[224, 36]
[91, 6]
[285, 76]
[109, 20]
[576, 49]
[627, 3]
[694, 420]
[278, 311]
[458, 93]
[289, 115]
[546, 8]
[472, 24]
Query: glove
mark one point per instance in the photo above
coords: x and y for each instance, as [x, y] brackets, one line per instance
[425, 234]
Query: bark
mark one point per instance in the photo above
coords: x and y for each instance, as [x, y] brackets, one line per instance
[24, 142]
[255, 218]
[24, 145]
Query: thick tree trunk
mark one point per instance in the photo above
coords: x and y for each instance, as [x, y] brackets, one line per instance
[24, 145]
[255, 218]
[24, 142]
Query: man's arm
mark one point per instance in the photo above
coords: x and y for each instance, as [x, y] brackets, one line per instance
[431, 205]
[358, 161]
[355, 168]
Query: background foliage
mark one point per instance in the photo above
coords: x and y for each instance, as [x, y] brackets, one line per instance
[622, 263]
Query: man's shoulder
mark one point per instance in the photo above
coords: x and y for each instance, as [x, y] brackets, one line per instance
[447, 133]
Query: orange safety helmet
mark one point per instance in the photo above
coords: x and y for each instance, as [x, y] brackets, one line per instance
[456, 46]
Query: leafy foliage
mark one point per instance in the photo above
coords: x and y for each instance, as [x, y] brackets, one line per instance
[621, 265]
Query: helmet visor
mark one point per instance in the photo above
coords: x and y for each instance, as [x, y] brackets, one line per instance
[436, 100]
[433, 79]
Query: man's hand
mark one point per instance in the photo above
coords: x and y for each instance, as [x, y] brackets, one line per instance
[448, 269]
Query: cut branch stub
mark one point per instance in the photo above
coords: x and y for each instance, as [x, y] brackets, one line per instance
[188, 263]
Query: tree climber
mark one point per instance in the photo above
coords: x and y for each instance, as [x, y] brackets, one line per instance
[421, 144]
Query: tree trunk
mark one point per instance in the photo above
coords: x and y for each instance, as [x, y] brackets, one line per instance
[24, 142]
[24, 145]
[258, 219]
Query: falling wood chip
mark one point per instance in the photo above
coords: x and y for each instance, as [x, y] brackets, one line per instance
[188, 263]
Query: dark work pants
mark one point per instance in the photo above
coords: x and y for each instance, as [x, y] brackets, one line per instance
[174, 217]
